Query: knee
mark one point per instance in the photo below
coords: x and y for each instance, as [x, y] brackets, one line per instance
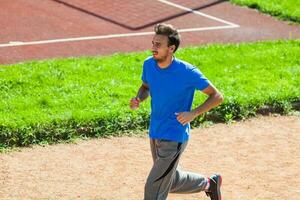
[148, 185]
[148, 191]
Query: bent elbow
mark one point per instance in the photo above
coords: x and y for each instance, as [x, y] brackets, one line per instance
[220, 98]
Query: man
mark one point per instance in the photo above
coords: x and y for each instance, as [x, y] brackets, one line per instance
[171, 84]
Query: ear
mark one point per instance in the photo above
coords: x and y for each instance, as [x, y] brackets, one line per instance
[172, 48]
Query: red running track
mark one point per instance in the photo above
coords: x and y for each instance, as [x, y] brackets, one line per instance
[69, 28]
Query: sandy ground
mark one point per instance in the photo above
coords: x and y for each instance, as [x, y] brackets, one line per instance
[259, 159]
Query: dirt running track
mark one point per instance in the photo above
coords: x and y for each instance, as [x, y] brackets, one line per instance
[259, 159]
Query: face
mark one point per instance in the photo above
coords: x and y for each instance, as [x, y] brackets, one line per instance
[160, 49]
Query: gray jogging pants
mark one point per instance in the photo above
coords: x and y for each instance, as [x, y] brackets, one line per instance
[165, 176]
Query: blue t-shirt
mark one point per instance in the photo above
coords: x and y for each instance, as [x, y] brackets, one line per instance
[172, 91]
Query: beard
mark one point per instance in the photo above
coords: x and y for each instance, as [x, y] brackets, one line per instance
[157, 57]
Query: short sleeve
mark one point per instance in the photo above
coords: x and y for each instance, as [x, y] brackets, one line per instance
[198, 80]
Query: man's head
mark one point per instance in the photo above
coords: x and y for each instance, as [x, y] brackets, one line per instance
[165, 41]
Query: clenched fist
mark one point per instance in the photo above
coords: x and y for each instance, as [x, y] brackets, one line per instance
[134, 103]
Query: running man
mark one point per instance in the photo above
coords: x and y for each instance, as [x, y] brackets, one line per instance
[171, 83]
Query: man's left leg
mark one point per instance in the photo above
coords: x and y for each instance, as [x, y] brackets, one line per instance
[166, 156]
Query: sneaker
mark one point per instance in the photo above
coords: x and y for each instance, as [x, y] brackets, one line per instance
[214, 191]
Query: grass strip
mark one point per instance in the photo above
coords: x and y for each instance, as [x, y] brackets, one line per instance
[62, 99]
[288, 10]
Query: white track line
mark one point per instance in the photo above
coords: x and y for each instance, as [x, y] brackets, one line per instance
[205, 28]
[18, 43]
[99, 37]
[198, 13]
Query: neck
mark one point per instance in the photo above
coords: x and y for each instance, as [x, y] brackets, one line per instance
[165, 63]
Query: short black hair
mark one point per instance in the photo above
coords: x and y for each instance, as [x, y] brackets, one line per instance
[169, 31]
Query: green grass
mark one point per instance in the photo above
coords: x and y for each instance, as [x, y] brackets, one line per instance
[283, 9]
[53, 100]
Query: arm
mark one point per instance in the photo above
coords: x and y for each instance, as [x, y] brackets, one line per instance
[214, 99]
[142, 94]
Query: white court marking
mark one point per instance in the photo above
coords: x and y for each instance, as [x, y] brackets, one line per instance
[99, 37]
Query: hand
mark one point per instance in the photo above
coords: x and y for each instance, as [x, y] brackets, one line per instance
[134, 103]
[185, 117]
